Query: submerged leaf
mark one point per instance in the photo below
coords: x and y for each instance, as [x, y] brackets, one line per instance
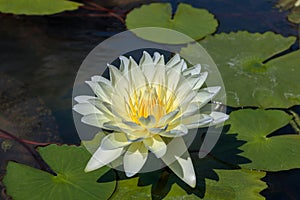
[71, 182]
[37, 7]
[194, 22]
[251, 79]
[269, 153]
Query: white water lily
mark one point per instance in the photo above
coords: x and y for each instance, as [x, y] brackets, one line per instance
[297, 3]
[148, 107]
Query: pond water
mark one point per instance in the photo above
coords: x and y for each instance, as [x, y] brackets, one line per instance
[39, 56]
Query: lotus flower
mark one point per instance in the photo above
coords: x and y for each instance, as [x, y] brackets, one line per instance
[148, 107]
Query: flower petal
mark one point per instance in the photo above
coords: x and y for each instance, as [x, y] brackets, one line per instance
[135, 158]
[200, 81]
[178, 131]
[102, 157]
[96, 120]
[205, 95]
[218, 117]
[167, 118]
[86, 108]
[99, 91]
[83, 98]
[173, 61]
[178, 160]
[148, 121]
[114, 140]
[158, 130]
[156, 145]
[197, 121]
[195, 70]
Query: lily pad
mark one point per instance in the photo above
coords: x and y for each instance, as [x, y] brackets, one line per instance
[202, 24]
[250, 78]
[268, 153]
[71, 182]
[233, 184]
[37, 7]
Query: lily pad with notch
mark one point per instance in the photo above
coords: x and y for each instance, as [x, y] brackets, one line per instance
[194, 22]
[70, 182]
[268, 153]
[251, 74]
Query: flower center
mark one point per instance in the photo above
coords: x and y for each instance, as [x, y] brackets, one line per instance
[152, 100]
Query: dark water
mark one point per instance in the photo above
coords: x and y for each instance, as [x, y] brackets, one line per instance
[43, 54]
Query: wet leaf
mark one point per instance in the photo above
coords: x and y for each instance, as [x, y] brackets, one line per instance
[71, 182]
[251, 79]
[269, 153]
[160, 15]
[36, 7]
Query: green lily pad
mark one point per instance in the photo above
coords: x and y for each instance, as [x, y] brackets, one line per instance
[71, 182]
[267, 153]
[294, 15]
[194, 22]
[251, 79]
[232, 184]
[37, 7]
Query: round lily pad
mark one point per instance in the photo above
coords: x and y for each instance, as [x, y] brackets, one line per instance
[36, 7]
[269, 153]
[194, 22]
[70, 182]
[251, 76]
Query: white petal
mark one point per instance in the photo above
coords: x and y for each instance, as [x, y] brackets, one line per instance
[114, 140]
[156, 57]
[195, 70]
[167, 118]
[115, 74]
[99, 91]
[197, 121]
[135, 158]
[83, 98]
[138, 78]
[101, 79]
[218, 117]
[147, 66]
[201, 80]
[158, 130]
[102, 157]
[205, 95]
[146, 59]
[133, 125]
[85, 109]
[156, 145]
[124, 64]
[96, 120]
[159, 77]
[148, 121]
[104, 107]
[179, 161]
[178, 131]
[173, 61]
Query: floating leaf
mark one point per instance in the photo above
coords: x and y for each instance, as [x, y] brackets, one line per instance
[249, 78]
[232, 184]
[194, 22]
[129, 189]
[71, 182]
[37, 7]
[267, 153]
